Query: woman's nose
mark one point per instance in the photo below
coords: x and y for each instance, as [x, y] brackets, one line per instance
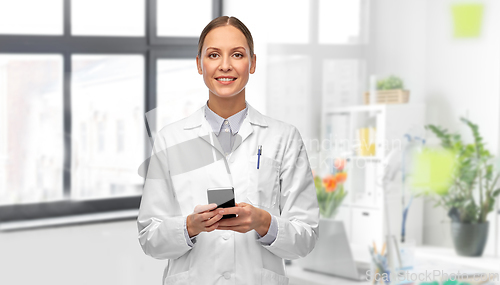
[225, 64]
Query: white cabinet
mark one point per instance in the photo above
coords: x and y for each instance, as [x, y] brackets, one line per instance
[387, 129]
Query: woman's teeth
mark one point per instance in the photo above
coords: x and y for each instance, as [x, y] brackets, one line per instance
[226, 79]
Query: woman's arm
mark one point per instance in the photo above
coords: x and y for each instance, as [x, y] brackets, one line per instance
[161, 225]
[298, 223]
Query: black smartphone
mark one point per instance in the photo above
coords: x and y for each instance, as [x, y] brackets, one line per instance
[223, 197]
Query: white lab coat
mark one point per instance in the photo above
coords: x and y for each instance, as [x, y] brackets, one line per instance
[283, 185]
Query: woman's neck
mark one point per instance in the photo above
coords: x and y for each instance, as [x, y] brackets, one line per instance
[226, 107]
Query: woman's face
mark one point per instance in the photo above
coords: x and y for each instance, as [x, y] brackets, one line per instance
[225, 62]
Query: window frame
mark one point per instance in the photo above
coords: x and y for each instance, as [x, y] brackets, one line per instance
[151, 47]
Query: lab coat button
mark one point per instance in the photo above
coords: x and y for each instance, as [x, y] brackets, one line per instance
[226, 236]
[227, 275]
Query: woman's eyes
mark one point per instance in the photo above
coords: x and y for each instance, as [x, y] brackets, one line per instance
[214, 55]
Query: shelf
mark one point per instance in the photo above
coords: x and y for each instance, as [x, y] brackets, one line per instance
[365, 158]
[357, 108]
[371, 108]
[387, 124]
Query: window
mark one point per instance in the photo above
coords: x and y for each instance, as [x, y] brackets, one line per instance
[315, 54]
[340, 22]
[31, 149]
[108, 18]
[31, 17]
[181, 90]
[107, 90]
[77, 81]
[173, 17]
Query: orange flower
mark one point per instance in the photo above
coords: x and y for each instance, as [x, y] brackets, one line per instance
[330, 183]
[341, 177]
[339, 164]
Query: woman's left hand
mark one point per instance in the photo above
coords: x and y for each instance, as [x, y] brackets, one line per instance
[248, 218]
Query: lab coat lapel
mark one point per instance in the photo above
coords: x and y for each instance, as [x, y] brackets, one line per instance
[208, 135]
[246, 130]
[197, 120]
[247, 127]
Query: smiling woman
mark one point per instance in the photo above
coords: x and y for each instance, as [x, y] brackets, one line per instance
[226, 59]
[227, 143]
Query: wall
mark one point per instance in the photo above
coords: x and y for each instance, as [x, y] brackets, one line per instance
[106, 253]
[454, 77]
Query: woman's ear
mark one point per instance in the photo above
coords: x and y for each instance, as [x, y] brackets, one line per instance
[198, 65]
[253, 63]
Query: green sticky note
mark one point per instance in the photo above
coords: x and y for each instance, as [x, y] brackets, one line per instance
[429, 283]
[450, 282]
[433, 171]
[467, 19]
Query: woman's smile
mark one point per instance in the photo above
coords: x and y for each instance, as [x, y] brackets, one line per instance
[226, 80]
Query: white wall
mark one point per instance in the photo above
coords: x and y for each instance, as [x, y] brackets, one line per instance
[454, 77]
[106, 253]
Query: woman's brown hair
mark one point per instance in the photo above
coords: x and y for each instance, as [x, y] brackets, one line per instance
[226, 21]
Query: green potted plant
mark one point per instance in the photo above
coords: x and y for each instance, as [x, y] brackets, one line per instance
[390, 90]
[472, 193]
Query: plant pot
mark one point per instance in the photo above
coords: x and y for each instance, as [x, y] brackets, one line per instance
[469, 239]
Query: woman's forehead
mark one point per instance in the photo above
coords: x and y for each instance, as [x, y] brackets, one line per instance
[226, 37]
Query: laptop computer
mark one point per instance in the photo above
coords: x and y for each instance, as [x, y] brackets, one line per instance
[332, 254]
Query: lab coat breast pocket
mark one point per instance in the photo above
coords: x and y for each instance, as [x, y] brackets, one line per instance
[263, 183]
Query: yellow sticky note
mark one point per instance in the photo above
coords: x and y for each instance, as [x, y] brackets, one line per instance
[433, 171]
[467, 19]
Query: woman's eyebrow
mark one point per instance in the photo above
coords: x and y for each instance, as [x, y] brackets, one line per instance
[231, 49]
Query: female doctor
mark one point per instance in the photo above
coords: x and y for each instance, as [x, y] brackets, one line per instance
[276, 210]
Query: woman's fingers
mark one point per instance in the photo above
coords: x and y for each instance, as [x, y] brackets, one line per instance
[232, 210]
[212, 227]
[208, 215]
[212, 220]
[231, 222]
[204, 208]
[240, 229]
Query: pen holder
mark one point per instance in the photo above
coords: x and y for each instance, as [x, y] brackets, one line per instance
[379, 273]
[379, 266]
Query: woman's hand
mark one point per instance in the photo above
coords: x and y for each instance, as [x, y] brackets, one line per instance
[248, 218]
[205, 218]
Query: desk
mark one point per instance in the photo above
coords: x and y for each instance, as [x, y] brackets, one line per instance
[299, 276]
[426, 258]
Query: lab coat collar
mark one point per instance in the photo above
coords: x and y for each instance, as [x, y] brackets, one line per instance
[205, 132]
[196, 119]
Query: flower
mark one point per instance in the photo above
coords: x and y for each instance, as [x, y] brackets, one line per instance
[340, 177]
[330, 193]
[329, 183]
[339, 164]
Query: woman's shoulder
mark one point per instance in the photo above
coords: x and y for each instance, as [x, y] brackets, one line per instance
[180, 124]
[281, 127]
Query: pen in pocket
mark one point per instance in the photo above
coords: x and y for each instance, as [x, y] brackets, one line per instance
[259, 152]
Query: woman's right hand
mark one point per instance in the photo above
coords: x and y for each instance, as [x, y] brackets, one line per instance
[205, 218]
